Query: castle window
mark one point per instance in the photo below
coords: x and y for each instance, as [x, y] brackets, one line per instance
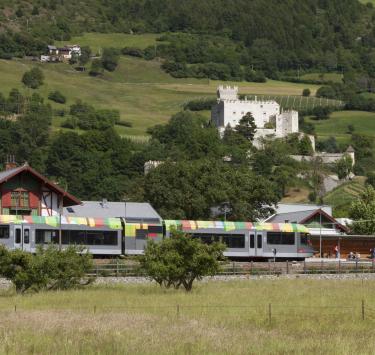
[234, 112]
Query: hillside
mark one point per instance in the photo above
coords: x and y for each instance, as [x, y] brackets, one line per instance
[143, 93]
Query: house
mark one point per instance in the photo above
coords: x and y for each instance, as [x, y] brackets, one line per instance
[136, 212]
[65, 53]
[23, 191]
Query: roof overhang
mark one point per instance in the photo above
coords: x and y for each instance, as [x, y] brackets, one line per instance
[68, 199]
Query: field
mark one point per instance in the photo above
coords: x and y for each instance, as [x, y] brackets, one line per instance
[334, 77]
[337, 125]
[342, 196]
[143, 93]
[307, 316]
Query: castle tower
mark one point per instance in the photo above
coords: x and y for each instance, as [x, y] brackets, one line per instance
[227, 93]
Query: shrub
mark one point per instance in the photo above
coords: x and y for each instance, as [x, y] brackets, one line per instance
[306, 92]
[57, 96]
[96, 68]
[179, 260]
[48, 269]
[134, 52]
[33, 78]
[110, 58]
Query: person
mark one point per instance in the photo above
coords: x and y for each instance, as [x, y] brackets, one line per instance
[336, 250]
[357, 256]
[274, 251]
[351, 256]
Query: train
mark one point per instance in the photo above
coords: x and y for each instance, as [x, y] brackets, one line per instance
[113, 237]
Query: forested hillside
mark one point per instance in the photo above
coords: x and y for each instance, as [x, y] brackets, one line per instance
[268, 34]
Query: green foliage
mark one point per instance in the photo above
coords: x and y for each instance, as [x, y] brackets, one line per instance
[321, 112]
[362, 211]
[344, 167]
[96, 67]
[85, 55]
[188, 190]
[306, 92]
[48, 269]
[33, 78]
[246, 126]
[200, 104]
[110, 58]
[57, 96]
[180, 260]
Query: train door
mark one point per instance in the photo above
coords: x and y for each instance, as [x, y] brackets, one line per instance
[259, 244]
[252, 244]
[22, 238]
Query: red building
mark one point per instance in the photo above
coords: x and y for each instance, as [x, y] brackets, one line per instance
[26, 192]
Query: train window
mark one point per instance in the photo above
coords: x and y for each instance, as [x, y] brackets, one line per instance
[18, 236]
[101, 238]
[4, 232]
[26, 236]
[277, 238]
[234, 240]
[46, 236]
[259, 241]
[252, 241]
[141, 234]
[155, 229]
[77, 237]
[304, 238]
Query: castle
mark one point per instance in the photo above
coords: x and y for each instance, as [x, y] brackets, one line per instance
[268, 117]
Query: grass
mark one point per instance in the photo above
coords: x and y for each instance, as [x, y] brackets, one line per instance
[337, 124]
[334, 77]
[307, 316]
[143, 93]
[98, 41]
[342, 196]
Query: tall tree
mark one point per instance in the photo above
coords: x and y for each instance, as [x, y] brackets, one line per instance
[247, 127]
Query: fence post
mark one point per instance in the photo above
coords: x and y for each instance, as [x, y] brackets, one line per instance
[269, 313]
[321, 265]
[15, 308]
[339, 266]
[372, 264]
[178, 311]
[94, 309]
[269, 267]
[96, 267]
[287, 267]
[116, 268]
[363, 309]
[304, 266]
[356, 264]
[252, 266]
[233, 268]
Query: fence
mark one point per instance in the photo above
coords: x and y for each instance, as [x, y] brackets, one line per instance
[269, 312]
[323, 266]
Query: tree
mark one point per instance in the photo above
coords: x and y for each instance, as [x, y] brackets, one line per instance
[362, 211]
[306, 92]
[96, 68]
[344, 167]
[321, 112]
[57, 96]
[247, 127]
[33, 78]
[85, 55]
[110, 58]
[48, 269]
[180, 260]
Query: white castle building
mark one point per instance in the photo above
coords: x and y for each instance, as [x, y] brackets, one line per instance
[268, 117]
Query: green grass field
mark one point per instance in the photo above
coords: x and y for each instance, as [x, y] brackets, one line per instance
[334, 77]
[98, 41]
[307, 317]
[143, 93]
[337, 125]
[342, 196]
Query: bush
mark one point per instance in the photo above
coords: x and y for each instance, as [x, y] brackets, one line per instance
[110, 58]
[96, 68]
[33, 78]
[134, 52]
[57, 96]
[321, 113]
[327, 92]
[48, 269]
[179, 260]
[306, 92]
[200, 105]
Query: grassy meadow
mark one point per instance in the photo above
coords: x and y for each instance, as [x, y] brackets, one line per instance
[337, 124]
[143, 93]
[307, 316]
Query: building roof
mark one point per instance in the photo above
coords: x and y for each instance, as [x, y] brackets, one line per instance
[137, 211]
[303, 217]
[6, 175]
[296, 207]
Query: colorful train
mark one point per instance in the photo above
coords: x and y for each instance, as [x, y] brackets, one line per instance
[116, 236]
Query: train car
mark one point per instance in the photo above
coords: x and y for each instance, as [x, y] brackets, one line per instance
[115, 236]
[250, 240]
[100, 236]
